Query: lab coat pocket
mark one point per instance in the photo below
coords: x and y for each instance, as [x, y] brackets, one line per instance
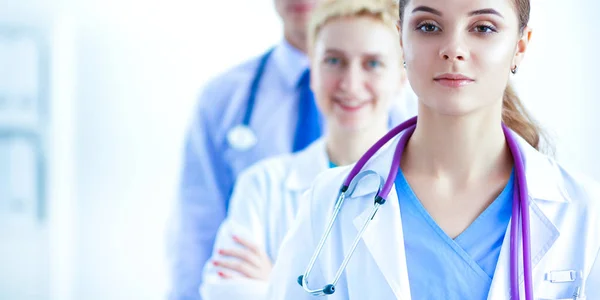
[568, 298]
[571, 293]
[561, 284]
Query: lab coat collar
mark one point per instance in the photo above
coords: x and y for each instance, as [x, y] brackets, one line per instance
[544, 187]
[544, 180]
[384, 238]
[291, 62]
[544, 235]
[306, 165]
[380, 163]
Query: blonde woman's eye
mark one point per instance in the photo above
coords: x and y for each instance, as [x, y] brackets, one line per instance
[373, 63]
[332, 60]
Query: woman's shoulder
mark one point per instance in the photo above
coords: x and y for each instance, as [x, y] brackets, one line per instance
[323, 193]
[271, 169]
[551, 179]
[579, 188]
[277, 169]
[562, 183]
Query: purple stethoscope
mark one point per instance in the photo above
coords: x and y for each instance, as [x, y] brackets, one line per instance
[519, 208]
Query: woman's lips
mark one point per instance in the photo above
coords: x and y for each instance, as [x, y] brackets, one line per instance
[351, 107]
[453, 80]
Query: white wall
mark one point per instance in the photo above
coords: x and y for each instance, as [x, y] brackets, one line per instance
[558, 80]
[140, 65]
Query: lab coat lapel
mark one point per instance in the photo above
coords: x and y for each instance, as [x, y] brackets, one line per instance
[545, 189]
[543, 236]
[383, 237]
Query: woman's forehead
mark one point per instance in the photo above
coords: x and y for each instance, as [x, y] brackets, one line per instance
[358, 36]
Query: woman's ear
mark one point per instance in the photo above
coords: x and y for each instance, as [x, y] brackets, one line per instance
[522, 45]
[399, 28]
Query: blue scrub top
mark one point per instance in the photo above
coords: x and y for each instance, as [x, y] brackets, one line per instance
[440, 267]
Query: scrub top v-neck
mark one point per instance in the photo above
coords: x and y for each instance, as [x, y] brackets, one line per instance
[440, 267]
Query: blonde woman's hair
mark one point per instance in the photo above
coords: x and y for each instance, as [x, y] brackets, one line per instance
[385, 11]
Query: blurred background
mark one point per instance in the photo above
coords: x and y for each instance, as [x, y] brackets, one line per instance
[95, 98]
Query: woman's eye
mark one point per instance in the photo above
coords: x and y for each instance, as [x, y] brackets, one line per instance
[373, 64]
[332, 60]
[485, 29]
[428, 27]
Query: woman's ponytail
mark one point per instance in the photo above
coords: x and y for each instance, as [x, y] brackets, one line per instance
[516, 117]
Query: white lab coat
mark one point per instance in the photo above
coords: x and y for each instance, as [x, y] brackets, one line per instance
[262, 208]
[565, 235]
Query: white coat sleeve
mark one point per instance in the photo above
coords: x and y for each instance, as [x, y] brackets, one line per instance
[246, 218]
[592, 286]
[294, 255]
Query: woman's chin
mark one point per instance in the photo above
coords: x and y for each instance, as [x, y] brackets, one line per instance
[350, 125]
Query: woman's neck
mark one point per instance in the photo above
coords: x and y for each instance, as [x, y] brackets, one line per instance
[459, 149]
[345, 147]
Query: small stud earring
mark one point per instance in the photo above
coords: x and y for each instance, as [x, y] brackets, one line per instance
[404, 65]
[514, 70]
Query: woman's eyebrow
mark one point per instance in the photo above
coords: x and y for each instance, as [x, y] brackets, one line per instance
[485, 11]
[427, 9]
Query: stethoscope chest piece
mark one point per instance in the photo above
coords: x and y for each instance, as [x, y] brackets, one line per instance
[241, 138]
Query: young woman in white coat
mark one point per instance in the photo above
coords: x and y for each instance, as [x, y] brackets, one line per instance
[445, 230]
[358, 78]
